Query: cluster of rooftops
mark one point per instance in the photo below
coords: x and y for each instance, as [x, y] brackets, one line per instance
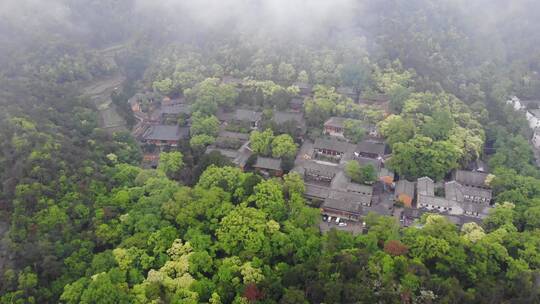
[468, 194]
[322, 162]
[531, 109]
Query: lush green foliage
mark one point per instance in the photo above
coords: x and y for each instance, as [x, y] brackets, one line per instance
[422, 156]
[170, 163]
[207, 95]
[354, 130]
[361, 174]
[283, 146]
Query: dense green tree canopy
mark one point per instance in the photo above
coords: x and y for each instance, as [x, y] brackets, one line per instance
[170, 163]
[207, 95]
[422, 156]
[261, 142]
[354, 130]
[283, 146]
[361, 174]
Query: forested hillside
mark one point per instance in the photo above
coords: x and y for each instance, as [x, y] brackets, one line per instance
[81, 221]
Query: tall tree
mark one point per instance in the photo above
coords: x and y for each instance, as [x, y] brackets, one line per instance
[170, 163]
[421, 156]
[283, 146]
[261, 142]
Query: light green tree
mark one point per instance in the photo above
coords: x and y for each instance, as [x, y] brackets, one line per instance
[354, 130]
[202, 124]
[164, 86]
[303, 77]
[243, 232]
[207, 95]
[198, 142]
[360, 174]
[261, 142]
[286, 72]
[170, 163]
[269, 197]
[421, 156]
[283, 146]
[396, 129]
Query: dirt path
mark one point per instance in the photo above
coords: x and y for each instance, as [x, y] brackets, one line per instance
[100, 93]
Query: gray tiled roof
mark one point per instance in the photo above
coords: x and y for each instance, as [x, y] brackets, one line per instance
[346, 201]
[175, 109]
[359, 188]
[322, 169]
[381, 209]
[338, 122]
[350, 197]
[166, 132]
[316, 191]
[268, 163]
[372, 147]
[283, 117]
[455, 191]
[437, 201]
[472, 178]
[243, 155]
[340, 205]
[405, 187]
[235, 135]
[451, 207]
[340, 181]
[247, 115]
[452, 191]
[332, 144]
[425, 186]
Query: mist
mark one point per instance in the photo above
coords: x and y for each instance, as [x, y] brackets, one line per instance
[280, 17]
[101, 23]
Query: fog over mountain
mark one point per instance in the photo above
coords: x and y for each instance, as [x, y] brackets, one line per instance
[279, 17]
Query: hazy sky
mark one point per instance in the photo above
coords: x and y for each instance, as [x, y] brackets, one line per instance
[276, 16]
[34, 13]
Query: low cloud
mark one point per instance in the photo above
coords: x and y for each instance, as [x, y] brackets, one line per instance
[279, 17]
[32, 14]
